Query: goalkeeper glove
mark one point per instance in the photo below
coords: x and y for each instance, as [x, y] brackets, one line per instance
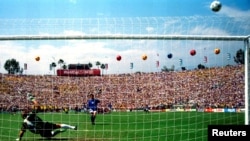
[30, 97]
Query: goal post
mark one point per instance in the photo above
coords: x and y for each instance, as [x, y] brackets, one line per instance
[125, 37]
[247, 70]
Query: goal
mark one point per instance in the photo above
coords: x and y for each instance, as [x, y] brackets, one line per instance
[175, 75]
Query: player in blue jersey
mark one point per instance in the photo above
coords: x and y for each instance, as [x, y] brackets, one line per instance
[92, 106]
[36, 125]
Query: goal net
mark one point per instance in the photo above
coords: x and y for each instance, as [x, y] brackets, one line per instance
[157, 78]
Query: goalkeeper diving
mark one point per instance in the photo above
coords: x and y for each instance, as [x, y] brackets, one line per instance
[36, 125]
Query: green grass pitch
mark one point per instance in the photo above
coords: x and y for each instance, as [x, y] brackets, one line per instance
[125, 126]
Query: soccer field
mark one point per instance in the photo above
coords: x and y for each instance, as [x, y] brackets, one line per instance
[125, 126]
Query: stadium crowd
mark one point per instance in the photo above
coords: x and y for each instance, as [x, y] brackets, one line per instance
[212, 87]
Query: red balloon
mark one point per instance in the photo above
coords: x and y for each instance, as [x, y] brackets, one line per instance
[118, 57]
[192, 52]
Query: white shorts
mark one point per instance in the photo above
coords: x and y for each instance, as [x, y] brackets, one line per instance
[91, 111]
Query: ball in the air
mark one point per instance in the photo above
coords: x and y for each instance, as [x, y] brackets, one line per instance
[144, 57]
[215, 6]
[217, 51]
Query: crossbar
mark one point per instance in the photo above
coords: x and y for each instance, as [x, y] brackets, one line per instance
[124, 37]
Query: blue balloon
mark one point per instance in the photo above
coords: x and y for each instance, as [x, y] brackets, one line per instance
[170, 55]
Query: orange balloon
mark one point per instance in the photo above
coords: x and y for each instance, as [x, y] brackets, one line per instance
[144, 57]
[37, 58]
[217, 51]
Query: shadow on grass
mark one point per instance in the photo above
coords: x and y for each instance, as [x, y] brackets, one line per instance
[102, 124]
[67, 139]
[55, 139]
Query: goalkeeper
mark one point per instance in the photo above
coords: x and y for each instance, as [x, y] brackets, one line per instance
[36, 125]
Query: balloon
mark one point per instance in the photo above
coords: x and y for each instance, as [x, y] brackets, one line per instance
[217, 51]
[37, 58]
[144, 57]
[192, 52]
[118, 57]
[170, 55]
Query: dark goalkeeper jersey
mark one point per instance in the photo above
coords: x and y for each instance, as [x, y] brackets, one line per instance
[33, 123]
[37, 126]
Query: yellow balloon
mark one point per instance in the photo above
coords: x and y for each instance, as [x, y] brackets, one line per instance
[144, 57]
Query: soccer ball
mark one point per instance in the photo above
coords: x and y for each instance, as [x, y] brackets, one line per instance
[217, 51]
[144, 57]
[215, 6]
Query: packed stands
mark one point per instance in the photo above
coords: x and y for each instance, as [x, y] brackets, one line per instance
[216, 87]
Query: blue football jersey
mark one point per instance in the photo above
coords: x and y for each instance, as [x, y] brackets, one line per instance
[92, 104]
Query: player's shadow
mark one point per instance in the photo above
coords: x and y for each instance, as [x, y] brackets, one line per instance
[54, 139]
[102, 124]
